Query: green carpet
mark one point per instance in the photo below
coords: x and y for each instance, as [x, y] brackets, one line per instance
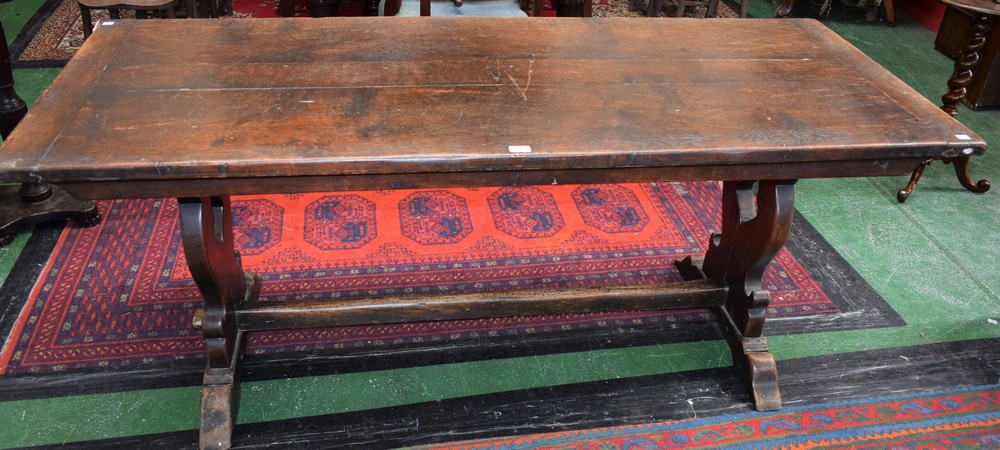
[934, 260]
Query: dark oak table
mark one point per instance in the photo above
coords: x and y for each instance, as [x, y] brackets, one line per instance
[204, 109]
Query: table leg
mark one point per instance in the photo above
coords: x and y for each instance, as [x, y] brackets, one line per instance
[207, 235]
[965, 64]
[755, 226]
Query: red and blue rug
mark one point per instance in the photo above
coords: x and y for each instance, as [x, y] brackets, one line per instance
[946, 419]
[120, 295]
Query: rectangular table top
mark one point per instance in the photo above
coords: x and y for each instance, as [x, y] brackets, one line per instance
[158, 108]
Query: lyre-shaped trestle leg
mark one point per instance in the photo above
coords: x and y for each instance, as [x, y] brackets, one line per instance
[207, 234]
[755, 226]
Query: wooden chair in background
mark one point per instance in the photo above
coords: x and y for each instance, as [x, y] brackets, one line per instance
[495, 8]
[114, 7]
[452, 8]
[653, 7]
[143, 8]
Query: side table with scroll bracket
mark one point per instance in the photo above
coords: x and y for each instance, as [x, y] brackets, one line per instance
[957, 84]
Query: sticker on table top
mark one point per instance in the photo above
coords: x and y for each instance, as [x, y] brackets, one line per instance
[107, 23]
[963, 137]
[519, 148]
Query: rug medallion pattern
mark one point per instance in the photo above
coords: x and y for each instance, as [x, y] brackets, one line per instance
[120, 293]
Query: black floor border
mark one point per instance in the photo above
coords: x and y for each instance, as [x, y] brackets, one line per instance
[23, 39]
[24, 273]
[809, 247]
[675, 396]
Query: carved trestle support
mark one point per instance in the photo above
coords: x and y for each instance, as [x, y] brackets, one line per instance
[207, 235]
[755, 227]
[756, 220]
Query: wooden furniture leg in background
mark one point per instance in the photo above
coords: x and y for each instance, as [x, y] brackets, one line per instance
[957, 84]
[752, 234]
[207, 235]
[31, 203]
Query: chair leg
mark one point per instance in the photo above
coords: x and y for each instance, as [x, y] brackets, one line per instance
[286, 8]
[744, 8]
[681, 5]
[115, 14]
[713, 9]
[653, 8]
[88, 22]
[890, 13]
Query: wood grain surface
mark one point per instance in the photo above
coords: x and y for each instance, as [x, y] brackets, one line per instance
[223, 104]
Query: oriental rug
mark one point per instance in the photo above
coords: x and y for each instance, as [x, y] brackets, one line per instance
[954, 418]
[55, 32]
[119, 294]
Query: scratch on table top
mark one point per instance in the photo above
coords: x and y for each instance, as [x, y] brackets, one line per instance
[498, 72]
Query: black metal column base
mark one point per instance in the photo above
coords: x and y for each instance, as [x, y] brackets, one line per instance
[15, 213]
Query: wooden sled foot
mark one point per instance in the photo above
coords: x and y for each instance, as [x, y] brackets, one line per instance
[220, 401]
[755, 363]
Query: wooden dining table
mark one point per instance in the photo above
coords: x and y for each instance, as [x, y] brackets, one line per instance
[201, 110]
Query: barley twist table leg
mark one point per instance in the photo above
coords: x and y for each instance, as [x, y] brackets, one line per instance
[965, 64]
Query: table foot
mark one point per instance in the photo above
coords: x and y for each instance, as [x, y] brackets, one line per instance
[34, 203]
[755, 363]
[220, 401]
[962, 171]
